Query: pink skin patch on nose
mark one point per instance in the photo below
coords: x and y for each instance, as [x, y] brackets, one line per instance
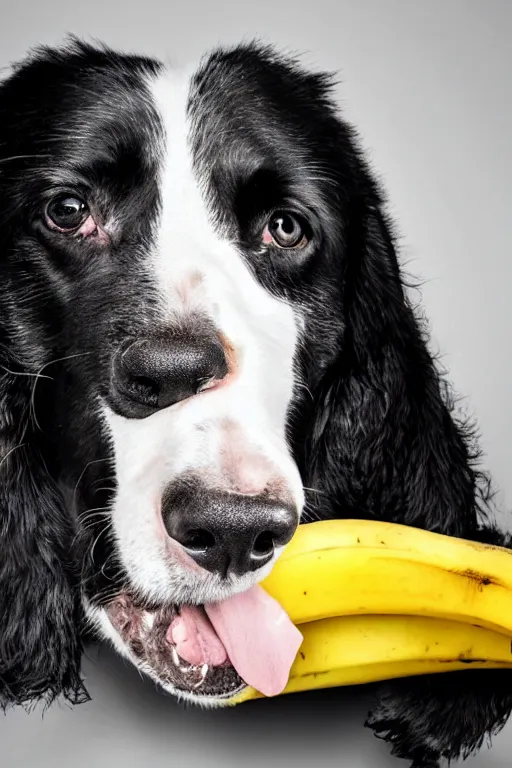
[242, 469]
[188, 287]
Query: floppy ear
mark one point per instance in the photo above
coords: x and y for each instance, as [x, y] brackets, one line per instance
[383, 441]
[40, 651]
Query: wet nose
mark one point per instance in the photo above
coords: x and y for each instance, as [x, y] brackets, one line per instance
[154, 373]
[227, 532]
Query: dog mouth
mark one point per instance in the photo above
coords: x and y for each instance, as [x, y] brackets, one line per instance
[156, 637]
[211, 651]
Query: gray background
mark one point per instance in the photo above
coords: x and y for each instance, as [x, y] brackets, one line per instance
[428, 84]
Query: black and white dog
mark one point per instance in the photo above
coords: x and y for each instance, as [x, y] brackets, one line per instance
[204, 338]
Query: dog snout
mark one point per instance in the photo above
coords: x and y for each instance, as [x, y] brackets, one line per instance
[154, 373]
[227, 533]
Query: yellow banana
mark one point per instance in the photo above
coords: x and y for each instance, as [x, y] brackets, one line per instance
[345, 567]
[378, 600]
[351, 650]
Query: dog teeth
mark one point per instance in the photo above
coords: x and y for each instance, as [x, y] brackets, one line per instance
[175, 657]
[204, 672]
[185, 669]
[148, 619]
[190, 668]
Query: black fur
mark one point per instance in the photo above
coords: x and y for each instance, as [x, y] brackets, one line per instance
[40, 648]
[372, 424]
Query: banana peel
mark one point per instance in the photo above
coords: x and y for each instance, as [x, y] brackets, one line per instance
[376, 601]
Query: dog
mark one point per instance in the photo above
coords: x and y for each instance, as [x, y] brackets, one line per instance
[206, 338]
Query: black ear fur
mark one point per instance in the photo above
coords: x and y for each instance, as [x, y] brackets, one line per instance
[383, 442]
[40, 649]
[445, 716]
[40, 615]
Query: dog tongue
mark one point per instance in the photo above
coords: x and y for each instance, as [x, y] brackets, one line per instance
[259, 638]
[195, 639]
[251, 629]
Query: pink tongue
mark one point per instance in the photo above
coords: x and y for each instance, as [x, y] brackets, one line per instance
[195, 638]
[259, 637]
[251, 629]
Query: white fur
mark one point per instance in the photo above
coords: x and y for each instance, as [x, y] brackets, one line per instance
[196, 268]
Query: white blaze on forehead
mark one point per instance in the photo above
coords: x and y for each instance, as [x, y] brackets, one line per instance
[197, 270]
[183, 220]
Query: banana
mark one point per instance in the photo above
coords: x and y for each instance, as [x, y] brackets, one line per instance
[352, 650]
[346, 568]
[376, 601]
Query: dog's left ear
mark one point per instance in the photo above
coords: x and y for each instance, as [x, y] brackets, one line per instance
[40, 649]
[382, 439]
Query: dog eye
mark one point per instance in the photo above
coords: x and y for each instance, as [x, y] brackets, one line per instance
[66, 213]
[286, 231]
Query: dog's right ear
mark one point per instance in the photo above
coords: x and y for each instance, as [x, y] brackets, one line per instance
[40, 649]
[40, 609]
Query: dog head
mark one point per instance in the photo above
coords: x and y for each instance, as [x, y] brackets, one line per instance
[164, 251]
[204, 336]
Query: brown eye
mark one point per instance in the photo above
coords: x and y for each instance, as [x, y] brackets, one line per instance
[286, 231]
[66, 213]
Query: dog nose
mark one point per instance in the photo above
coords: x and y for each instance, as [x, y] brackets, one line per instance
[225, 532]
[154, 373]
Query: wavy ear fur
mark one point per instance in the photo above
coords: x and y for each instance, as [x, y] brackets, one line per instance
[40, 650]
[383, 441]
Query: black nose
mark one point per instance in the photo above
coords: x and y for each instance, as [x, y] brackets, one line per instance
[224, 532]
[154, 373]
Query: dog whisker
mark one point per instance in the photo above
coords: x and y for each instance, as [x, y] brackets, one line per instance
[11, 451]
[89, 464]
[38, 376]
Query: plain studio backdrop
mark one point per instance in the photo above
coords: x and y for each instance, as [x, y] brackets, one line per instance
[429, 85]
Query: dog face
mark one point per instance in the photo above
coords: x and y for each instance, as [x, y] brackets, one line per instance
[169, 250]
[204, 336]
